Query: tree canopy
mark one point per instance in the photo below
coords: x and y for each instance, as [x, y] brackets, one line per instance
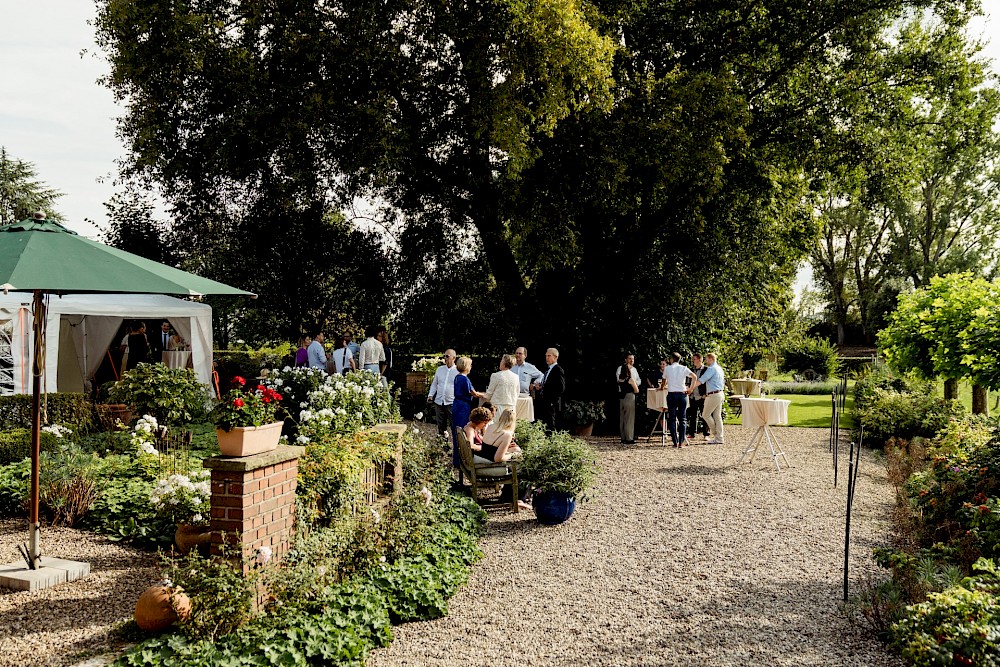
[22, 193]
[598, 176]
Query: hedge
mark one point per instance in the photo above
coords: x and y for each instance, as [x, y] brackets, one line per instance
[68, 409]
[15, 444]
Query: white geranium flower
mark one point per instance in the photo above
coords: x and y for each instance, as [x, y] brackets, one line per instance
[427, 495]
[263, 556]
[302, 440]
[418, 416]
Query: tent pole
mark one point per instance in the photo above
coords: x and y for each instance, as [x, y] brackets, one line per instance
[34, 530]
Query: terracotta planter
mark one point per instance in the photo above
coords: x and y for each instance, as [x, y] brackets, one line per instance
[583, 431]
[155, 611]
[249, 440]
[110, 414]
[188, 537]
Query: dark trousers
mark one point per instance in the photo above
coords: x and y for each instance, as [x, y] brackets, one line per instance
[442, 413]
[548, 412]
[676, 415]
[694, 416]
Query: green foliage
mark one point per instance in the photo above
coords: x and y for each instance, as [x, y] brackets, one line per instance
[981, 341]
[172, 395]
[67, 485]
[559, 463]
[925, 333]
[15, 444]
[345, 404]
[21, 193]
[904, 415]
[799, 355]
[14, 481]
[222, 598]
[330, 472]
[958, 626]
[68, 409]
[582, 413]
[869, 379]
[333, 598]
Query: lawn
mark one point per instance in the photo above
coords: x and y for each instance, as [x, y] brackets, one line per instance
[813, 410]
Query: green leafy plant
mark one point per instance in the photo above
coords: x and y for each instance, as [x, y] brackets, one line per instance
[905, 415]
[171, 395]
[805, 388]
[345, 404]
[582, 413]
[802, 353]
[222, 598]
[14, 480]
[561, 464]
[243, 406]
[15, 444]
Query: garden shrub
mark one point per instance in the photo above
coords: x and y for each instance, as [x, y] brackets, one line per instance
[67, 485]
[958, 626]
[15, 444]
[222, 598]
[172, 395]
[69, 409]
[331, 469]
[869, 379]
[803, 353]
[342, 404]
[14, 481]
[905, 415]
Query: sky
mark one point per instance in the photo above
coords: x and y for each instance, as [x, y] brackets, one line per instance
[54, 114]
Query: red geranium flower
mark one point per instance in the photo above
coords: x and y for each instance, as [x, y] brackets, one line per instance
[238, 380]
[238, 403]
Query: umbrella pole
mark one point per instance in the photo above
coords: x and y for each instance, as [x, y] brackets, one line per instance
[38, 354]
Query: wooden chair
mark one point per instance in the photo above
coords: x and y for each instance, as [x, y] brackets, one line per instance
[733, 400]
[484, 474]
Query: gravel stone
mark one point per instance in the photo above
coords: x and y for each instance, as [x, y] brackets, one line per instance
[680, 558]
[61, 625]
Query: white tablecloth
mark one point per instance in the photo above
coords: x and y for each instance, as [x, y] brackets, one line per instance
[760, 411]
[525, 408]
[746, 386]
[656, 399]
[177, 359]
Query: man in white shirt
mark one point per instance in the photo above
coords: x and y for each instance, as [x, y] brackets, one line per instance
[628, 386]
[442, 392]
[316, 353]
[675, 378]
[371, 353]
[504, 386]
[527, 374]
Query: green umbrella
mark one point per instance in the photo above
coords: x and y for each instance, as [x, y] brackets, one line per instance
[43, 257]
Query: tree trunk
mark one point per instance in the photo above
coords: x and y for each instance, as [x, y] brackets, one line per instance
[980, 398]
[951, 388]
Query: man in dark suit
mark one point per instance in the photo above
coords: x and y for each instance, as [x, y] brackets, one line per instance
[552, 388]
[159, 342]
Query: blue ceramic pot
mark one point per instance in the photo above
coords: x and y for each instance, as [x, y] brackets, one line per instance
[552, 508]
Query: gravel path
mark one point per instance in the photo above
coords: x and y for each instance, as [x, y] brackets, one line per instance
[60, 625]
[681, 559]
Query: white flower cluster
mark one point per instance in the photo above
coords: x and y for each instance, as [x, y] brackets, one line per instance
[184, 492]
[338, 403]
[426, 365]
[57, 430]
[144, 434]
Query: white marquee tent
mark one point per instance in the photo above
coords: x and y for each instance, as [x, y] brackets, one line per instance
[85, 326]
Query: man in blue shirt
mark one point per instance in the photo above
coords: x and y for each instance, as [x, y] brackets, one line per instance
[527, 374]
[714, 379]
[315, 353]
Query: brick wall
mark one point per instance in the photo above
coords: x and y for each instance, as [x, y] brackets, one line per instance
[253, 501]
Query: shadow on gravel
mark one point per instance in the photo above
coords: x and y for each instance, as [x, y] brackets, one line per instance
[693, 470]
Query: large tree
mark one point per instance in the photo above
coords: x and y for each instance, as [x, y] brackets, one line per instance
[920, 198]
[22, 193]
[624, 174]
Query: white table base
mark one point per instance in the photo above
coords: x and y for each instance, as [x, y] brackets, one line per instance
[765, 433]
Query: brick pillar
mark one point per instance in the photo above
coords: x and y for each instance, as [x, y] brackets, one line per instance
[253, 500]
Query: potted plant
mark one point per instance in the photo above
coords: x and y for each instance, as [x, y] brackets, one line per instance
[246, 420]
[560, 469]
[580, 416]
[185, 500]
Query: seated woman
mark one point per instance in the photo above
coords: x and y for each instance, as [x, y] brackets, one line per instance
[501, 446]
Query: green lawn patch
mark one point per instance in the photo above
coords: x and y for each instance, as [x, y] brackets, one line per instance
[812, 411]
